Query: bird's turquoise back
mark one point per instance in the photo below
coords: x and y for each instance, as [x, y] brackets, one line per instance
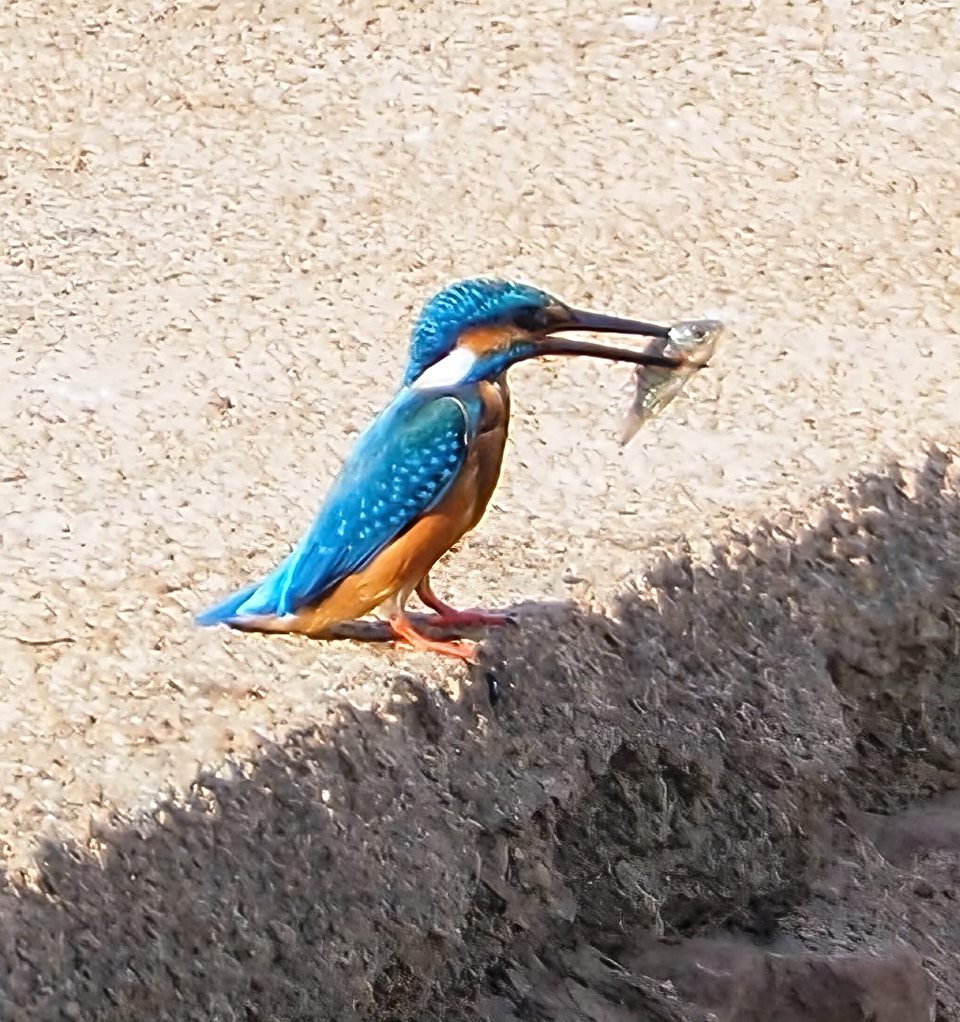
[401, 466]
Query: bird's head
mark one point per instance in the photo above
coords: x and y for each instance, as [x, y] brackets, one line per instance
[475, 329]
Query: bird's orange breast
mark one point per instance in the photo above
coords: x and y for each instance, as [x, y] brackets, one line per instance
[491, 441]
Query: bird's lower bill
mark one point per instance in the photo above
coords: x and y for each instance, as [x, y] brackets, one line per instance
[568, 346]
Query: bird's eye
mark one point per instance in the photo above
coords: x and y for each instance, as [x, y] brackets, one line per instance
[532, 319]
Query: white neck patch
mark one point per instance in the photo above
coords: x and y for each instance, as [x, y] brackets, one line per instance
[448, 372]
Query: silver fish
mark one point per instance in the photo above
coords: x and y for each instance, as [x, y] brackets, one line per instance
[696, 340]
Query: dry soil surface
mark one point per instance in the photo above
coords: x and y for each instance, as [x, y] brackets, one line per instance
[735, 677]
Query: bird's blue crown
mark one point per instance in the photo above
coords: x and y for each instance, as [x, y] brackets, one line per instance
[456, 308]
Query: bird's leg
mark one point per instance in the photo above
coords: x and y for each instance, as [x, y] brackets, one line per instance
[447, 615]
[402, 627]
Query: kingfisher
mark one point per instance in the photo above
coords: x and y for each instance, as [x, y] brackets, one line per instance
[421, 475]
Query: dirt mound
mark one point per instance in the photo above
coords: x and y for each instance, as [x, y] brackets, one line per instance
[705, 762]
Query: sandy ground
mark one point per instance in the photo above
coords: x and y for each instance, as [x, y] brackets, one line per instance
[216, 225]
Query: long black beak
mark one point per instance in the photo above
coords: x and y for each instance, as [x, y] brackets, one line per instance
[600, 324]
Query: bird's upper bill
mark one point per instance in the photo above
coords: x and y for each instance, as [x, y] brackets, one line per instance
[531, 333]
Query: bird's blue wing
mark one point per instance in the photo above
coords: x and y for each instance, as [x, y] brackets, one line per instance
[401, 467]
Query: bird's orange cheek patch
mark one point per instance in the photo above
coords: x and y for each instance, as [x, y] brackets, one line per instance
[482, 340]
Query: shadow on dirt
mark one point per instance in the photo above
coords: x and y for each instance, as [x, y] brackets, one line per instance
[681, 768]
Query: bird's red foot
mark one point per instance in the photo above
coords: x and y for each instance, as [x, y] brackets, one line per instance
[448, 617]
[404, 630]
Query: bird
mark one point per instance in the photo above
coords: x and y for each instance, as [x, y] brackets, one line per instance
[422, 473]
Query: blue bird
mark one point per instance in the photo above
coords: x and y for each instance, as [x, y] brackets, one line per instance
[423, 472]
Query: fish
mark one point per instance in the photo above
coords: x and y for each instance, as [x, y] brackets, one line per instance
[696, 341]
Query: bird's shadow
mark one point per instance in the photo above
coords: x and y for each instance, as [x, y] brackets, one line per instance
[374, 630]
[667, 765]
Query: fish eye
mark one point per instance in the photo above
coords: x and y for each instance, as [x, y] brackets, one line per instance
[532, 318]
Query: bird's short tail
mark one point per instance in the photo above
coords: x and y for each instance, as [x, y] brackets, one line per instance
[226, 610]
